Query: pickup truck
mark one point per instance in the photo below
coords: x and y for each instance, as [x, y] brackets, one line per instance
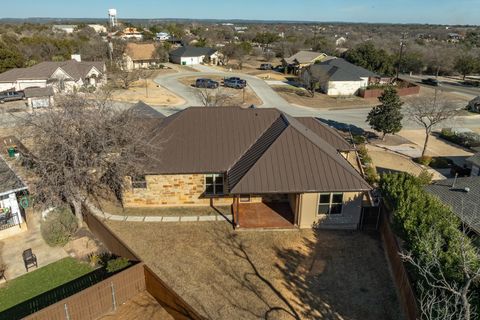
[11, 95]
[234, 82]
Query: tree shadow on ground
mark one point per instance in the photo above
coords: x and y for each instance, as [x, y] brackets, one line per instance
[345, 127]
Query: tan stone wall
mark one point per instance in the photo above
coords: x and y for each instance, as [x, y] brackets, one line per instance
[172, 190]
[348, 219]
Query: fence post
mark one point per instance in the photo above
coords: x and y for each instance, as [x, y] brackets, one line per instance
[113, 297]
[67, 315]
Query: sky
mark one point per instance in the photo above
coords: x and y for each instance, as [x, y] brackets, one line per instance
[375, 11]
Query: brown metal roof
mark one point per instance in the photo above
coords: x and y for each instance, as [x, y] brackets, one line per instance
[327, 133]
[300, 161]
[260, 150]
[206, 140]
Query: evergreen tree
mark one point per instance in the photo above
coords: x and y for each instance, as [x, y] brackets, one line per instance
[387, 117]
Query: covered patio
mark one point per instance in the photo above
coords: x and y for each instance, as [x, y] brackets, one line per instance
[264, 215]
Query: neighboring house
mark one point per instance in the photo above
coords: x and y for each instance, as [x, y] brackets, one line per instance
[337, 77]
[267, 165]
[12, 217]
[463, 196]
[98, 28]
[62, 76]
[67, 28]
[131, 33]
[140, 56]
[340, 41]
[188, 55]
[302, 59]
[474, 161]
[474, 105]
[39, 97]
[162, 36]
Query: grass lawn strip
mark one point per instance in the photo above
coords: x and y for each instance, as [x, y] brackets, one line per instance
[41, 280]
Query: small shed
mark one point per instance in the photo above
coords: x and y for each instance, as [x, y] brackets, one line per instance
[39, 97]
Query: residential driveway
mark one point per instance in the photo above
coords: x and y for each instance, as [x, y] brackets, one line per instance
[302, 274]
[437, 147]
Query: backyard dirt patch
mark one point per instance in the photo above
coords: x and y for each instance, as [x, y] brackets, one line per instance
[157, 95]
[142, 306]
[237, 97]
[388, 161]
[302, 274]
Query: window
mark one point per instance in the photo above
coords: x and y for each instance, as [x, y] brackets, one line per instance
[330, 203]
[139, 182]
[214, 184]
[245, 198]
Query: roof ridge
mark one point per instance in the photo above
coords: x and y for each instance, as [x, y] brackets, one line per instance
[247, 160]
[312, 136]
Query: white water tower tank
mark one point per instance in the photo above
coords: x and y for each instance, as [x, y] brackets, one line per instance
[112, 16]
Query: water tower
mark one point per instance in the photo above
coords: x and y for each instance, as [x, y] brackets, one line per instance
[112, 17]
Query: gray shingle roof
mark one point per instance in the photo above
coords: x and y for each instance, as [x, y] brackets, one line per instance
[304, 57]
[464, 204]
[9, 181]
[475, 159]
[190, 51]
[339, 70]
[143, 110]
[260, 150]
[44, 70]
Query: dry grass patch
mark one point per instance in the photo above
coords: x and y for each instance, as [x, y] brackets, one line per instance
[115, 208]
[157, 95]
[268, 275]
[301, 97]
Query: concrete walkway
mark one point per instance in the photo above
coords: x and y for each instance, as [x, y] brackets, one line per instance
[146, 218]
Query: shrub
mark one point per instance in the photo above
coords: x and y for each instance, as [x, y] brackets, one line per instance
[357, 139]
[425, 177]
[371, 175]
[441, 163]
[117, 264]
[424, 160]
[363, 153]
[59, 227]
[465, 139]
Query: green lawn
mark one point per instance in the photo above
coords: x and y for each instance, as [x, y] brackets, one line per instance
[41, 280]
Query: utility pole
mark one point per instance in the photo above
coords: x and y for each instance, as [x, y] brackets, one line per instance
[402, 45]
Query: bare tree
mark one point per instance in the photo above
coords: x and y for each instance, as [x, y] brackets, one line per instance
[214, 98]
[81, 150]
[429, 112]
[441, 297]
[123, 78]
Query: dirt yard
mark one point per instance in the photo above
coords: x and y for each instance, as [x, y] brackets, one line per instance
[142, 306]
[387, 161]
[268, 275]
[236, 96]
[149, 92]
[301, 97]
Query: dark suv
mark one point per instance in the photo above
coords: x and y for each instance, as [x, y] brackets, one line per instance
[234, 82]
[6, 96]
[431, 81]
[266, 66]
[206, 83]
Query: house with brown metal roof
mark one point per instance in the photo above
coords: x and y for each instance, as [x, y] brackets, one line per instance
[61, 75]
[273, 169]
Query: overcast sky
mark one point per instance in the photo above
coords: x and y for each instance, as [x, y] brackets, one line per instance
[392, 11]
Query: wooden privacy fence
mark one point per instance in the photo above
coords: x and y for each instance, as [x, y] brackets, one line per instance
[109, 239]
[97, 300]
[400, 275]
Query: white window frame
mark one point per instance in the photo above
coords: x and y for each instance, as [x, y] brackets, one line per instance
[215, 185]
[330, 203]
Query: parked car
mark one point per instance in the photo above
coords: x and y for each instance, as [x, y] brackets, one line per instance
[431, 81]
[235, 82]
[266, 66]
[206, 83]
[6, 96]
[474, 105]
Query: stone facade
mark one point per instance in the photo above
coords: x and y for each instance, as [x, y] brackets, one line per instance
[172, 190]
